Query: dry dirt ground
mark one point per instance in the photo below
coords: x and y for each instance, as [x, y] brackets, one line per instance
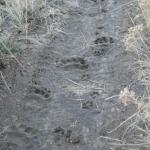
[61, 101]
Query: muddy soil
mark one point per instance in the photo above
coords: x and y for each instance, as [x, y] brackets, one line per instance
[61, 101]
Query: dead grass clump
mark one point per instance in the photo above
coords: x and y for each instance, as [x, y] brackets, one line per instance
[137, 43]
[26, 24]
[127, 96]
[145, 8]
[32, 20]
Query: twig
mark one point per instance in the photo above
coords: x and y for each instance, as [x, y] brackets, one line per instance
[75, 83]
[109, 138]
[108, 98]
[132, 116]
[129, 144]
[3, 78]
[82, 86]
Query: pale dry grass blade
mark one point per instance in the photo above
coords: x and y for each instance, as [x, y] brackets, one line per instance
[122, 123]
[7, 86]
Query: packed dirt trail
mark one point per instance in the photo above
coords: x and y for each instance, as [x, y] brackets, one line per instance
[64, 104]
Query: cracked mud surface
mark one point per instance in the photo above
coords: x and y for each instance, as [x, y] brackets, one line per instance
[61, 104]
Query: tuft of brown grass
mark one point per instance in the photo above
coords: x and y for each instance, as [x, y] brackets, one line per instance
[27, 24]
[145, 8]
[127, 96]
[30, 20]
[137, 43]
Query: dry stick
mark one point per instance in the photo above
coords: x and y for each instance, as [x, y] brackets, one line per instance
[61, 31]
[108, 98]
[82, 86]
[130, 126]
[13, 56]
[139, 128]
[3, 78]
[109, 138]
[122, 123]
[129, 144]
[121, 144]
[75, 83]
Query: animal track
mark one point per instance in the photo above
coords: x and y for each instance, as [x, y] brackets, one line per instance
[104, 40]
[19, 136]
[59, 130]
[103, 10]
[73, 63]
[94, 94]
[44, 92]
[70, 136]
[85, 77]
[100, 51]
[87, 104]
[31, 133]
[104, 45]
